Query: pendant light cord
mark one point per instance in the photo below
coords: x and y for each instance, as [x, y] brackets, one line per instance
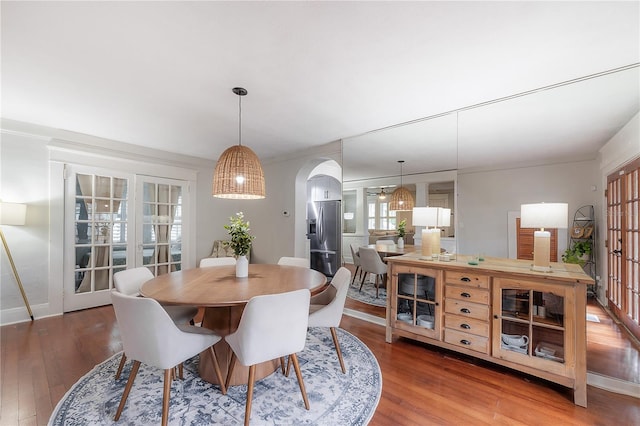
[239, 120]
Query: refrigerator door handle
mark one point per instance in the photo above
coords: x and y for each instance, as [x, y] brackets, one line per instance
[320, 225]
[322, 251]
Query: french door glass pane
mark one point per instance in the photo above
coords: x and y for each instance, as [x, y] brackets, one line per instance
[100, 230]
[162, 227]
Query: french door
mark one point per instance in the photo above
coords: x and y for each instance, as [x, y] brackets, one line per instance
[115, 221]
[623, 245]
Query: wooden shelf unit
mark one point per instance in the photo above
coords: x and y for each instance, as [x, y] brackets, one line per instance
[466, 303]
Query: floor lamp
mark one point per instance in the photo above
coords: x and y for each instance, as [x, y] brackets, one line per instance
[14, 214]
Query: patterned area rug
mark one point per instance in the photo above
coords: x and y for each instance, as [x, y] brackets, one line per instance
[368, 294]
[335, 398]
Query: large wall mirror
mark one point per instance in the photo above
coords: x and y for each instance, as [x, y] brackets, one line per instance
[372, 172]
[485, 160]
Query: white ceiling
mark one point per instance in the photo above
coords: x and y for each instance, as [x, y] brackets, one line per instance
[160, 74]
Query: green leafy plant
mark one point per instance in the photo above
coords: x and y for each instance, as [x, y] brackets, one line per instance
[402, 228]
[238, 229]
[575, 253]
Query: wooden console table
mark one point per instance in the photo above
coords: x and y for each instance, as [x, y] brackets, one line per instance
[499, 311]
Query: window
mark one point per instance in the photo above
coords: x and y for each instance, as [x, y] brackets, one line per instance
[385, 219]
[371, 222]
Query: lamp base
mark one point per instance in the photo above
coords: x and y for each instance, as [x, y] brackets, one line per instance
[430, 243]
[541, 251]
[546, 269]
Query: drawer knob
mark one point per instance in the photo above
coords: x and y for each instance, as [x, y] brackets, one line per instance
[465, 342]
[465, 279]
[465, 295]
[465, 311]
[465, 326]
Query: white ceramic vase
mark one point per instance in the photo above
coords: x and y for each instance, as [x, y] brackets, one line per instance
[400, 242]
[242, 267]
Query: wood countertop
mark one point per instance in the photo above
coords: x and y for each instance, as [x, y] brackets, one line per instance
[562, 272]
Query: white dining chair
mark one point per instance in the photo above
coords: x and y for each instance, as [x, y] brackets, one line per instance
[150, 336]
[217, 261]
[372, 264]
[271, 327]
[294, 261]
[326, 308]
[129, 282]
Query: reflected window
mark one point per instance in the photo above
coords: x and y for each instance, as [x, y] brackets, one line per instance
[380, 217]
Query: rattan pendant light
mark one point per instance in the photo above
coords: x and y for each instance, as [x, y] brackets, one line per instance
[238, 173]
[401, 199]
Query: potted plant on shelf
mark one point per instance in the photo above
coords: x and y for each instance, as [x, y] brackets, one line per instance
[578, 253]
[401, 232]
[240, 242]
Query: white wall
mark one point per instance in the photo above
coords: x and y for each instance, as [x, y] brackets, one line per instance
[29, 174]
[486, 198]
[24, 178]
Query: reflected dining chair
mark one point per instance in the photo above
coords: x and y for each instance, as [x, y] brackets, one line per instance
[326, 308]
[355, 255]
[129, 282]
[150, 336]
[217, 261]
[271, 327]
[294, 261]
[371, 263]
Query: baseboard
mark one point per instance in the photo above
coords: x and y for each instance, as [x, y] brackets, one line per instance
[365, 317]
[613, 385]
[20, 314]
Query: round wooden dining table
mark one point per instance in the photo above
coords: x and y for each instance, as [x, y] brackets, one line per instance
[223, 295]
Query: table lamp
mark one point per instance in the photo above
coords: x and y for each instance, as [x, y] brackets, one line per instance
[431, 216]
[14, 214]
[543, 215]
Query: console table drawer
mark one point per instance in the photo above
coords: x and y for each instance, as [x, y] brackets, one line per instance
[467, 325]
[469, 294]
[470, 279]
[466, 340]
[467, 309]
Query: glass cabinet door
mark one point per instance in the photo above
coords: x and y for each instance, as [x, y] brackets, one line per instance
[418, 295]
[531, 322]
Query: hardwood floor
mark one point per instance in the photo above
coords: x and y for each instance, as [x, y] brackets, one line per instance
[611, 350]
[41, 360]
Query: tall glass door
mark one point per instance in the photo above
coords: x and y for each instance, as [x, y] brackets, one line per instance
[115, 221]
[97, 244]
[161, 227]
[623, 245]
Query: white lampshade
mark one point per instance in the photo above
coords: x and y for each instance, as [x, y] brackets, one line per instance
[544, 215]
[425, 216]
[13, 213]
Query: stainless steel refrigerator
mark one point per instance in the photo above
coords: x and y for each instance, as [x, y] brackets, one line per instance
[323, 231]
